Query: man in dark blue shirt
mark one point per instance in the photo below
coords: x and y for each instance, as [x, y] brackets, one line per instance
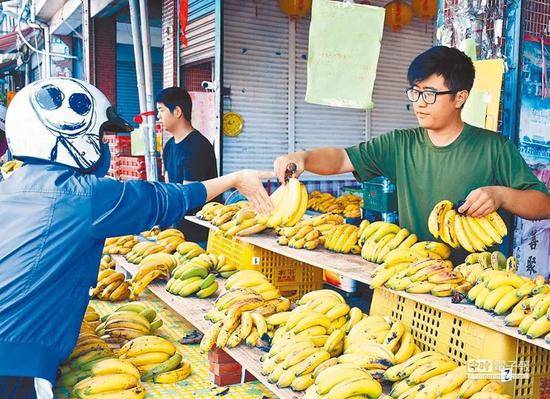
[188, 155]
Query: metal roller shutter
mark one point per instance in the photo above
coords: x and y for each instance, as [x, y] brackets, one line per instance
[398, 50]
[200, 8]
[201, 39]
[126, 90]
[256, 70]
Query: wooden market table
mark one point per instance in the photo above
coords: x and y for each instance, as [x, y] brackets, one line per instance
[356, 268]
[193, 310]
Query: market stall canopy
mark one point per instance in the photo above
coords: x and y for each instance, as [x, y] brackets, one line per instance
[8, 41]
[7, 64]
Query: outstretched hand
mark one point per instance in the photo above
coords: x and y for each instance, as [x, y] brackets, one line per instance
[249, 183]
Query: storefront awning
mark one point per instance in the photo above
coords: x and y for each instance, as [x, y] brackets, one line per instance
[8, 41]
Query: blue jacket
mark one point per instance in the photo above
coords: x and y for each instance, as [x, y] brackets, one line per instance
[54, 222]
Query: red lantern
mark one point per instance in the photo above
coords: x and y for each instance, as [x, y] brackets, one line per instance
[398, 14]
[295, 8]
[425, 9]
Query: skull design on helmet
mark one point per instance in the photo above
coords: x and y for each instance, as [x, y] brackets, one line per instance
[64, 106]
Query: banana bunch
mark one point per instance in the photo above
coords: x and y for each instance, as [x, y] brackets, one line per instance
[9, 167]
[221, 267]
[291, 362]
[129, 321]
[472, 234]
[89, 349]
[323, 202]
[531, 312]
[192, 279]
[322, 314]
[353, 211]
[143, 249]
[432, 375]
[110, 378]
[343, 239]
[170, 239]
[300, 236]
[150, 233]
[119, 245]
[151, 267]
[255, 281]
[239, 315]
[348, 205]
[156, 359]
[188, 250]
[342, 380]
[91, 317]
[208, 211]
[244, 222]
[499, 290]
[290, 203]
[476, 263]
[111, 286]
[417, 269]
[377, 343]
[325, 223]
[219, 214]
[379, 238]
[106, 262]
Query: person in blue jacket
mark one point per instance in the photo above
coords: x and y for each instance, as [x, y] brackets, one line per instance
[56, 212]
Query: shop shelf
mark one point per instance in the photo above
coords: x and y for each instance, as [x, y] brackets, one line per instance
[465, 341]
[356, 268]
[293, 278]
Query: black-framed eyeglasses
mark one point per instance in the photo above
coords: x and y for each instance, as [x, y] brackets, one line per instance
[429, 96]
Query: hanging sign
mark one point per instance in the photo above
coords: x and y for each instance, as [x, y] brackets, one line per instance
[481, 108]
[532, 238]
[344, 45]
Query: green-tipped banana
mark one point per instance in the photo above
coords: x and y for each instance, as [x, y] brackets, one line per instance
[149, 314]
[208, 291]
[137, 307]
[208, 281]
[169, 365]
[155, 325]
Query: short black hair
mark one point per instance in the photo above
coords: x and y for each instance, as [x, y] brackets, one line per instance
[456, 68]
[173, 97]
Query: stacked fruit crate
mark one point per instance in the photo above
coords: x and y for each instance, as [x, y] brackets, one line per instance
[118, 146]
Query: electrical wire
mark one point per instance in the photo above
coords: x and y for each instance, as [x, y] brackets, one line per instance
[35, 26]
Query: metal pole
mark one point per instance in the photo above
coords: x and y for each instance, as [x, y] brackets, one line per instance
[47, 57]
[138, 54]
[218, 77]
[150, 134]
[291, 84]
[86, 59]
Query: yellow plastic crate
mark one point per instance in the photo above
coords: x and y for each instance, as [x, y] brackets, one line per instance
[291, 277]
[463, 340]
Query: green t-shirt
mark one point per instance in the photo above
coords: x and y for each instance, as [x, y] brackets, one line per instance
[426, 174]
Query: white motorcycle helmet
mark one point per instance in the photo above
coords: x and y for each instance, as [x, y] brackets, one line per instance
[61, 120]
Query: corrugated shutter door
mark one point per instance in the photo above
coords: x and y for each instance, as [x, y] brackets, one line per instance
[398, 50]
[256, 70]
[318, 125]
[200, 8]
[201, 40]
[126, 88]
[36, 73]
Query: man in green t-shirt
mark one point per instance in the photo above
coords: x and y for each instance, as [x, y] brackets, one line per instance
[443, 158]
